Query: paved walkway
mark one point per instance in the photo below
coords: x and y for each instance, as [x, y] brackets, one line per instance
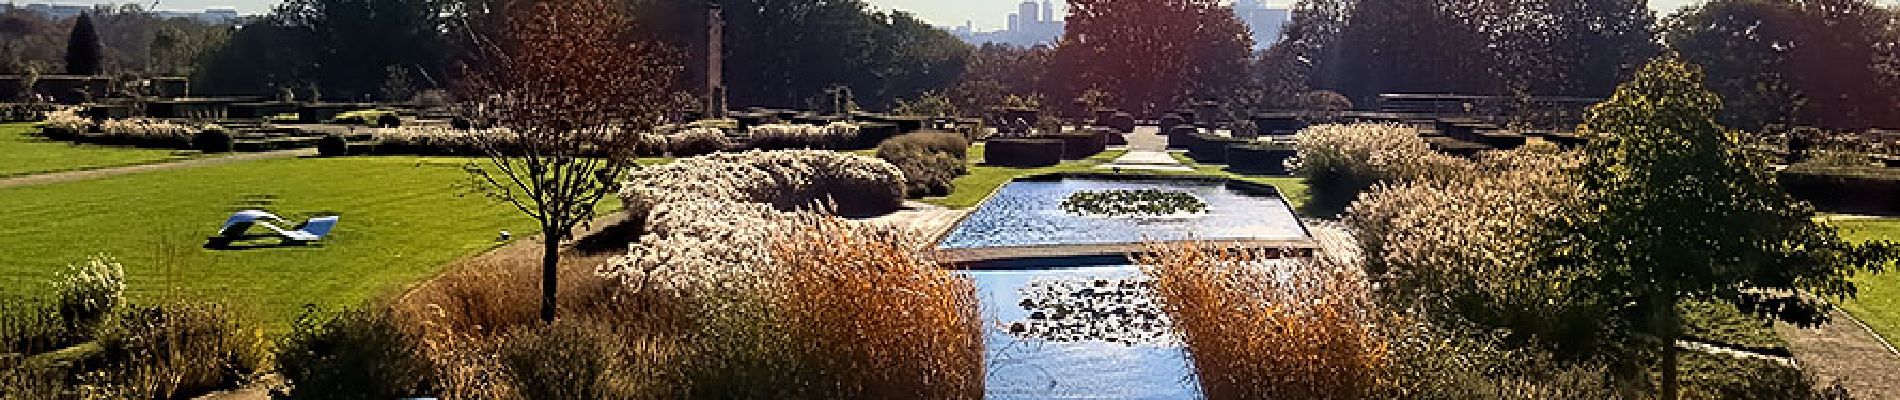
[929, 221]
[1147, 151]
[69, 176]
[1845, 350]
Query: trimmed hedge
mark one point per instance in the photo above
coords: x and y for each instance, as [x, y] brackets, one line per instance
[1024, 153]
[333, 146]
[1208, 148]
[1080, 145]
[1259, 159]
[1845, 190]
[1180, 136]
[214, 141]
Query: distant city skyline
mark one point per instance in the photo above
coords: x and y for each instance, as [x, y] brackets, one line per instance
[984, 15]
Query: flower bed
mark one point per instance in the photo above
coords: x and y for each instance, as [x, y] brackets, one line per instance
[1138, 202]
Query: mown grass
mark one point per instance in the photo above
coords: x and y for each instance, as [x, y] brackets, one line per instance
[1879, 301]
[22, 153]
[403, 218]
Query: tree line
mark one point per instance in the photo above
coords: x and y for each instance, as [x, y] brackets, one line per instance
[1828, 63]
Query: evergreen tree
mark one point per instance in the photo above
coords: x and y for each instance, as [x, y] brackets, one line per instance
[84, 53]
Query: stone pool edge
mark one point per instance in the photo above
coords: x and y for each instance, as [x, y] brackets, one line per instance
[977, 259]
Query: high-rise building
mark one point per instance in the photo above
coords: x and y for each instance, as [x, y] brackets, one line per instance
[1031, 24]
[1028, 13]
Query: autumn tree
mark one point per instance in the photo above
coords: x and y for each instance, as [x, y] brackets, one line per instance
[84, 55]
[560, 97]
[1151, 55]
[1677, 210]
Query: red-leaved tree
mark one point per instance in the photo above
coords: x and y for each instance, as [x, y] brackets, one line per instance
[558, 100]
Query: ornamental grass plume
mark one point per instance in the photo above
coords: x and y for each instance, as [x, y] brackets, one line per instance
[1341, 161]
[1261, 328]
[870, 318]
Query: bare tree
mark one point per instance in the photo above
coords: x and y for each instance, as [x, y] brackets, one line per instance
[558, 100]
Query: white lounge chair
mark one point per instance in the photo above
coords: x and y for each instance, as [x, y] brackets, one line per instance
[310, 230]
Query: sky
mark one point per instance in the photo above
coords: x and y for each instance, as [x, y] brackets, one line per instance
[984, 14]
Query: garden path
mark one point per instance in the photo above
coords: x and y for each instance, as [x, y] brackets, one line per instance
[930, 221]
[1147, 151]
[1845, 350]
[70, 176]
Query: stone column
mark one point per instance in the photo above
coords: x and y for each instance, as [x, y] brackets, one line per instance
[715, 62]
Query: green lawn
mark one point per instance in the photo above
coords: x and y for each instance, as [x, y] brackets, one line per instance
[21, 153]
[403, 218]
[971, 189]
[1879, 300]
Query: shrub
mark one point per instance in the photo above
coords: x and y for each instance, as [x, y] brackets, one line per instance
[786, 179]
[333, 146]
[1340, 161]
[89, 291]
[424, 140]
[65, 124]
[931, 161]
[352, 354]
[693, 142]
[176, 350]
[1260, 328]
[366, 118]
[213, 140]
[837, 136]
[1468, 245]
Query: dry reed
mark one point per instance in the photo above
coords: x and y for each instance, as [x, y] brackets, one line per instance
[873, 319]
[1260, 328]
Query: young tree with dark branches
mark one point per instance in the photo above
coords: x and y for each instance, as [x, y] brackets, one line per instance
[558, 101]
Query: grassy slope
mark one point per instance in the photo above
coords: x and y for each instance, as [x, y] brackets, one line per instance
[983, 180]
[1879, 300]
[25, 154]
[403, 218]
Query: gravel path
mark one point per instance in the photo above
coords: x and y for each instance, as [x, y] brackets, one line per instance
[1845, 350]
[70, 176]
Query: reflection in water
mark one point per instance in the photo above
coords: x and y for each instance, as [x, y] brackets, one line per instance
[1073, 365]
[1029, 213]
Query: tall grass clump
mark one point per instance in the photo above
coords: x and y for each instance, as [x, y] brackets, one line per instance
[1260, 328]
[174, 350]
[931, 161]
[353, 354]
[1341, 161]
[870, 318]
